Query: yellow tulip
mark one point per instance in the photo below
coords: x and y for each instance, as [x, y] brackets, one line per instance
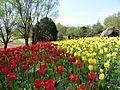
[78, 53]
[114, 54]
[85, 48]
[101, 76]
[83, 58]
[101, 51]
[106, 49]
[75, 54]
[91, 49]
[101, 70]
[94, 53]
[90, 67]
[108, 55]
[106, 65]
[88, 54]
[92, 61]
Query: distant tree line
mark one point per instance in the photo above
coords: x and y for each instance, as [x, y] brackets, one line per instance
[89, 31]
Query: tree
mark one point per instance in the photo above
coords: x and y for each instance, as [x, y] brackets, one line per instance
[61, 29]
[84, 31]
[97, 28]
[47, 9]
[7, 22]
[24, 9]
[113, 20]
[30, 11]
[45, 30]
[72, 30]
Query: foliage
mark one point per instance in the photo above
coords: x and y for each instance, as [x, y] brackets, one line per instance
[60, 37]
[97, 28]
[113, 20]
[73, 30]
[84, 31]
[61, 29]
[45, 30]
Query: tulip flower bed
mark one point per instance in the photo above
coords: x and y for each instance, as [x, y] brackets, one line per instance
[82, 64]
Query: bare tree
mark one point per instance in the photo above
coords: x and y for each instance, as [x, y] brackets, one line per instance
[31, 11]
[7, 22]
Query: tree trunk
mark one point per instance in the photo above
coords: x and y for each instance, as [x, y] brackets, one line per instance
[33, 38]
[26, 41]
[5, 45]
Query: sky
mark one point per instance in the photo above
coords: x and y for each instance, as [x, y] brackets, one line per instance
[85, 12]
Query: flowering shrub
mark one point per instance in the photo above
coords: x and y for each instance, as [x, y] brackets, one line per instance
[82, 64]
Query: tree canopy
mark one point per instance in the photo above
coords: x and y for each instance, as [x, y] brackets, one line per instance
[113, 20]
[45, 30]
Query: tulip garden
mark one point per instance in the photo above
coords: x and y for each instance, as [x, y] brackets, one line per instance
[76, 64]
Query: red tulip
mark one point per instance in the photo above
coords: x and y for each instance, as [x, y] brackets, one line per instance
[58, 53]
[89, 84]
[70, 59]
[62, 51]
[38, 83]
[30, 63]
[12, 61]
[41, 72]
[80, 87]
[73, 59]
[67, 54]
[51, 51]
[47, 57]
[60, 69]
[18, 53]
[13, 66]
[4, 70]
[11, 76]
[49, 84]
[24, 66]
[55, 60]
[1, 65]
[73, 77]
[34, 56]
[92, 76]
[41, 59]
[61, 57]
[79, 64]
[48, 60]
[3, 58]
[18, 59]
[43, 66]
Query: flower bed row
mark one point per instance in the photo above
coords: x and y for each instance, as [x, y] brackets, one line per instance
[100, 56]
[83, 64]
